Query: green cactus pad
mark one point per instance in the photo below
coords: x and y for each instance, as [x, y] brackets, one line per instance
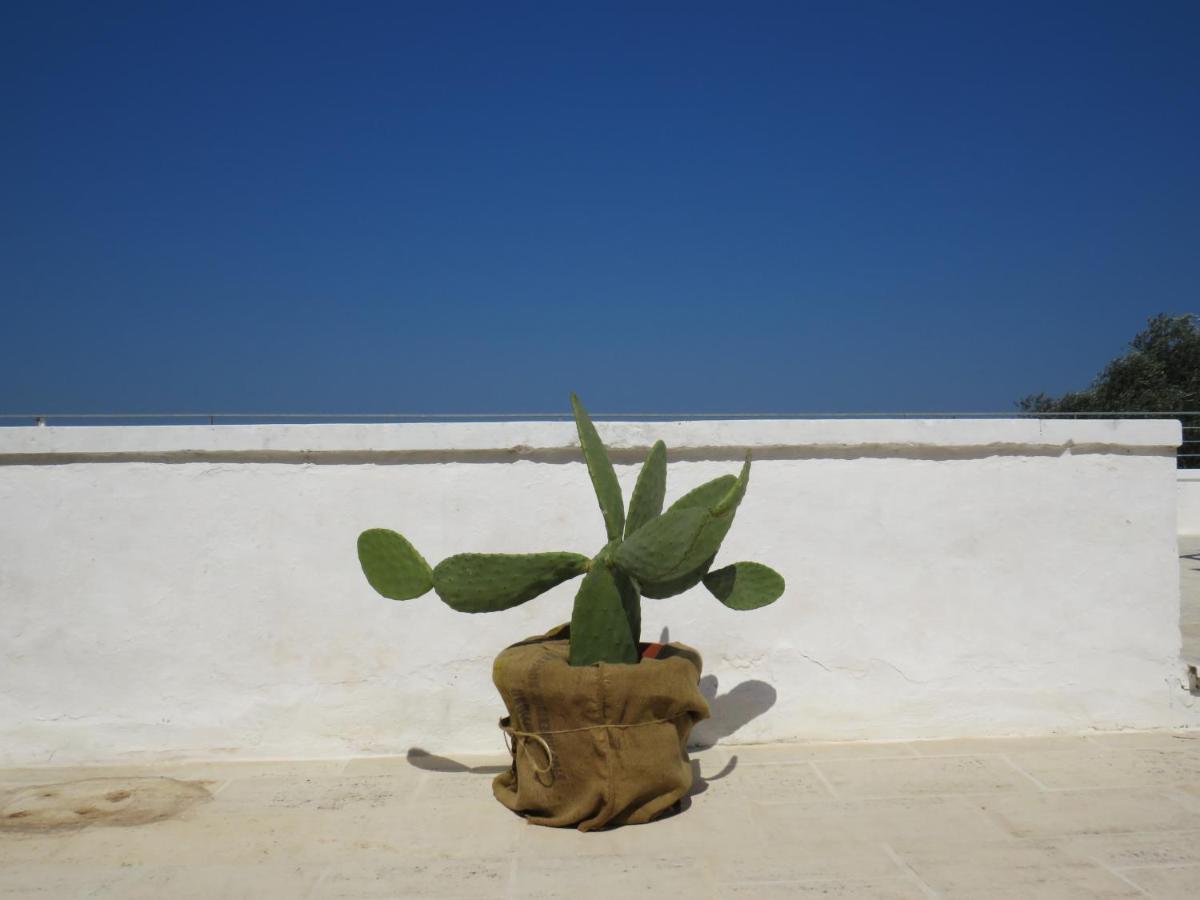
[732, 500]
[392, 565]
[667, 547]
[661, 589]
[707, 495]
[647, 500]
[631, 601]
[630, 597]
[681, 539]
[600, 623]
[604, 479]
[745, 585]
[489, 582]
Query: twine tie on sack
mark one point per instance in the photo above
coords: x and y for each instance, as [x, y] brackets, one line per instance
[519, 736]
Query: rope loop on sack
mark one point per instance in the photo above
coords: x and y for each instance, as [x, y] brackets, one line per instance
[516, 736]
[513, 737]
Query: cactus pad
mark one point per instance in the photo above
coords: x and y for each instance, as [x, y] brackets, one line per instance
[489, 582]
[600, 624]
[604, 479]
[681, 539]
[662, 547]
[392, 565]
[732, 500]
[660, 589]
[707, 495]
[745, 585]
[647, 500]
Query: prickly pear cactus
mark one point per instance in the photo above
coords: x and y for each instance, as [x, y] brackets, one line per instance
[649, 553]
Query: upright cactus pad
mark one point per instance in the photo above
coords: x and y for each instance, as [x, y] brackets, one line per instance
[663, 548]
[728, 504]
[706, 495]
[647, 500]
[601, 630]
[681, 539]
[604, 479]
[649, 553]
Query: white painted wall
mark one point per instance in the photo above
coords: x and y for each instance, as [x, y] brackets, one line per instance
[195, 591]
[1189, 501]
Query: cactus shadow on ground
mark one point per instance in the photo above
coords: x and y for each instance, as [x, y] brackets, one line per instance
[423, 759]
[700, 782]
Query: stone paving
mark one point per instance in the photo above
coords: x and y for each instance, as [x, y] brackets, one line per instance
[1106, 815]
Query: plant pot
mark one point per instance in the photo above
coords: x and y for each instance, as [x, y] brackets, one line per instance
[598, 745]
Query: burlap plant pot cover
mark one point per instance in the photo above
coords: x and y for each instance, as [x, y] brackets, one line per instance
[596, 745]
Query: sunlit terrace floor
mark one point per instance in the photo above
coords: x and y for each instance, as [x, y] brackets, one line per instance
[1100, 816]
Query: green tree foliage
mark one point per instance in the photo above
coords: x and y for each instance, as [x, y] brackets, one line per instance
[1160, 373]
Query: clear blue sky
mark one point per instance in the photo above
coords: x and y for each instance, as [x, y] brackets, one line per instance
[454, 207]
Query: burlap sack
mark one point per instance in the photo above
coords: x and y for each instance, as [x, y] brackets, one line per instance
[596, 745]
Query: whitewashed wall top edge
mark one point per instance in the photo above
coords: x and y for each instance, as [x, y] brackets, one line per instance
[806, 435]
